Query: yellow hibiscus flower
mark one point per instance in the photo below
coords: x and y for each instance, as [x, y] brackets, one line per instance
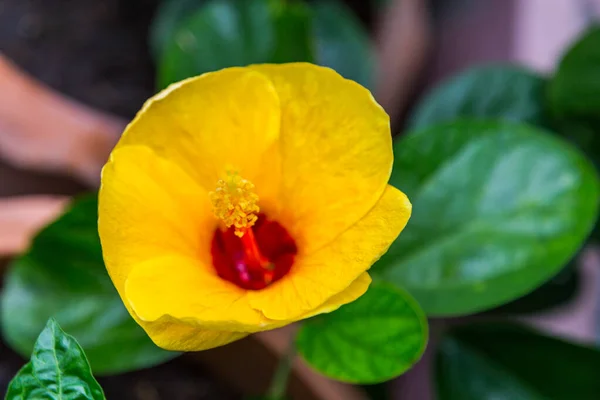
[246, 199]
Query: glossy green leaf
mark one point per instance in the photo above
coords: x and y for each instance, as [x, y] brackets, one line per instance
[63, 276]
[503, 92]
[375, 338]
[168, 16]
[574, 91]
[498, 208]
[342, 42]
[505, 361]
[226, 33]
[58, 370]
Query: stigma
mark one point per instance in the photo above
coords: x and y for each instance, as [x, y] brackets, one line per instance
[235, 203]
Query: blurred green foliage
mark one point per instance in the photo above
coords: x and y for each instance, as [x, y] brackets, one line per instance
[63, 276]
[504, 92]
[573, 90]
[191, 38]
[507, 361]
[487, 362]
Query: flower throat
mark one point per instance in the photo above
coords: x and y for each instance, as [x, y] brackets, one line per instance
[248, 249]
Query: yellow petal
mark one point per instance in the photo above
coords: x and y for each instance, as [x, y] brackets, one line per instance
[351, 293]
[219, 121]
[171, 334]
[149, 207]
[317, 277]
[336, 151]
[184, 289]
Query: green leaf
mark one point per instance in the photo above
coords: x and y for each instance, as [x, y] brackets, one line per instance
[505, 361]
[226, 33]
[58, 370]
[169, 15]
[223, 33]
[342, 42]
[375, 338]
[574, 97]
[63, 276]
[574, 91]
[499, 91]
[498, 208]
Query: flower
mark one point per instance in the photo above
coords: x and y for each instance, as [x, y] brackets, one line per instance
[246, 199]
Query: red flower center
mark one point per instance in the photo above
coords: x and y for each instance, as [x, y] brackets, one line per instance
[263, 255]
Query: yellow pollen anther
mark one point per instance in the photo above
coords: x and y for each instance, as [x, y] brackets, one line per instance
[234, 203]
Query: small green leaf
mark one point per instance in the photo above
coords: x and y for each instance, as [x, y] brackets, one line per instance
[58, 370]
[498, 208]
[342, 42]
[502, 92]
[63, 276]
[375, 338]
[505, 361]
[574, 91]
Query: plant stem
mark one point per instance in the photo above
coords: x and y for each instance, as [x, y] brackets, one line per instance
[282, 373]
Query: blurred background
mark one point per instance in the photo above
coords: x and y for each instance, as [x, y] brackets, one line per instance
[73, 72]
